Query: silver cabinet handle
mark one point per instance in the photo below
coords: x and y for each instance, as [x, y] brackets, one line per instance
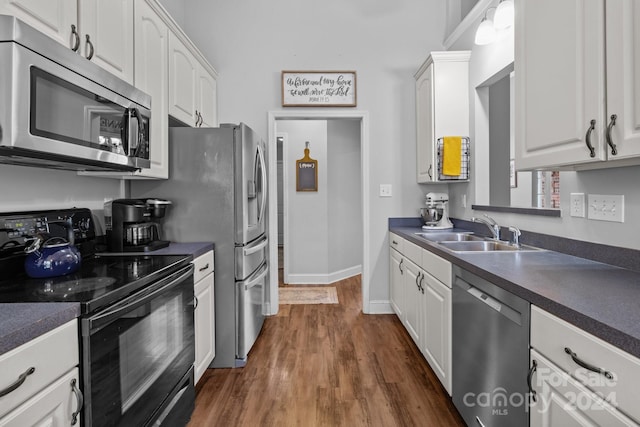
[79, 399]
[592, 151]
[195, 302]
[206, 266]
[608, 375]
[612, 123]
[90, 45]
[76, 38]
[400, 266]
[422, 283]
[418, 280]
[534, 366]
[429, 171]
[21, 378]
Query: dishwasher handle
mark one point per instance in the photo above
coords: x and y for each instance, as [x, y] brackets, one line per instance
[504, 309]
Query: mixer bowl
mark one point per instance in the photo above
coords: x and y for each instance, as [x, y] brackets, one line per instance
[431, 215]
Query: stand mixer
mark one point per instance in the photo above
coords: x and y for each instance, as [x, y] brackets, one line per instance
[436, 214]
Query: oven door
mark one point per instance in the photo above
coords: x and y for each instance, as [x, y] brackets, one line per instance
[137, 351]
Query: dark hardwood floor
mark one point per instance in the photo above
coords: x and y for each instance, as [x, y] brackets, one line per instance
[327, 365]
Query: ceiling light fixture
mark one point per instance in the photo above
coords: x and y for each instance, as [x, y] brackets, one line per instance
[503, 18]
[486, 33]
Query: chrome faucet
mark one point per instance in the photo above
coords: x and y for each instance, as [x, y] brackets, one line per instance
[515, 236]
[491, 224]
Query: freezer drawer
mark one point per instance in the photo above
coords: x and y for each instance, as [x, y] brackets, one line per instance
[249, 312]
[250, 257]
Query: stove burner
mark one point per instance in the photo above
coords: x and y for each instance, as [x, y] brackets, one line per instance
[66, 288]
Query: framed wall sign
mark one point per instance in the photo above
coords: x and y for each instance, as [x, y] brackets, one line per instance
[306, 172]
[319, 88]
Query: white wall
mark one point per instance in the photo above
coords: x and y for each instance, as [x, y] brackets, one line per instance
[345, 211]
[486, 61]
[250, 42]
[307, 241]
[324, 241]
[27, 188]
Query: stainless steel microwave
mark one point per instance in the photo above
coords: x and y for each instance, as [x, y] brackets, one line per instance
[59, 110]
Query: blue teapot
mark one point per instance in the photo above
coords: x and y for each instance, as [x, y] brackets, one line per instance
[50, 257]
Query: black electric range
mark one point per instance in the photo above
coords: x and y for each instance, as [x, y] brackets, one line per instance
[101, 280]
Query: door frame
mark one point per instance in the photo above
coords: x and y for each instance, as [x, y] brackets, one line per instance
[272, 299]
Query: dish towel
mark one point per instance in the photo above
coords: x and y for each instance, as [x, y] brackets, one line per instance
[452, 155]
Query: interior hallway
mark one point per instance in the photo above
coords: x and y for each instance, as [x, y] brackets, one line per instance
[327, 365]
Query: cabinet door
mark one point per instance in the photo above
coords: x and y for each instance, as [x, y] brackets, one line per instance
[183, 74]
[560, 82]
[106, 35]
[424, 131]
[207, 99]
[52, 407]
[437, 329]
[623, 78]
[204, 325]
[52, 17]
[396, 279]
[563, 402]
[412, 275]
[151, 70]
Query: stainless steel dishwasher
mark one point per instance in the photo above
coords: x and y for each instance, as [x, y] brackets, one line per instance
[490, 349]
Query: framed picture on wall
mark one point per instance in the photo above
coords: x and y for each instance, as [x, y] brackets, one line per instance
[319, 89]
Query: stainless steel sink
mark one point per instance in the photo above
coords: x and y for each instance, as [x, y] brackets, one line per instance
[448, 237]
[484, 246]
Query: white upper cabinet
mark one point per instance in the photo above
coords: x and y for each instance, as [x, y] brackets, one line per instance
[106, 35]
[192, 88]
[100, 30]
[52, 17]
[442, 107]
[575, 84]
[151, 76]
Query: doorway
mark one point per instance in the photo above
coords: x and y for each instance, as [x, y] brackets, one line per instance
[271, 306]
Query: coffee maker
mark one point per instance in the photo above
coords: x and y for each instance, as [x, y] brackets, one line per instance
[436, 214]
[132, 226]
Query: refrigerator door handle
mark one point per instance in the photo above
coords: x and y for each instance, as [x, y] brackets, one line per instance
[263, 170]
[248, 250]
[251, 282]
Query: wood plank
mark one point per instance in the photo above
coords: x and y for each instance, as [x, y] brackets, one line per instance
[327, 365]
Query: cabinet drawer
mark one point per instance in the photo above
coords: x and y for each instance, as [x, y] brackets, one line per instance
[396, 242]
[51, 355]
[203, 265]
[551, 335]
[413, 252]
[438, 267]
[561, 400]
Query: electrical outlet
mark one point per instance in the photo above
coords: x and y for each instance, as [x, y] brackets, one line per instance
[606, 207]
[577, 204]
[385, 190]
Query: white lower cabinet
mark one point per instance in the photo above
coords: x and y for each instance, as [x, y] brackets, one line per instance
[580, 379]
[436, 328]
[420, 293]
[39, 380]
[55, 406]
[396, 277]
[204, 313]
[562, 401]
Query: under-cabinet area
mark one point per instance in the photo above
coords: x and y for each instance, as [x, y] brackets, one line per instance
[485, 323]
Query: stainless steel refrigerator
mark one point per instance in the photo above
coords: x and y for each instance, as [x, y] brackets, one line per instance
[218, 186]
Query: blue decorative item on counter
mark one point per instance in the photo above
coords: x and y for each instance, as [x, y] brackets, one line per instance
[51, 257]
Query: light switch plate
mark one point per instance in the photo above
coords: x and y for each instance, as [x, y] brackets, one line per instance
[385, 190]
[577, 205]
[606, 207]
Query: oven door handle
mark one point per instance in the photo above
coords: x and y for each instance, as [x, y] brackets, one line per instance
[138, 299]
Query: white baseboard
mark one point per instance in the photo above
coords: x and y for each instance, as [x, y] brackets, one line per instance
[380, 307]
[324, 279]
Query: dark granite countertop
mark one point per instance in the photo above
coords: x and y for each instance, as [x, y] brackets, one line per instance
[22, 322]
[599, 298]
